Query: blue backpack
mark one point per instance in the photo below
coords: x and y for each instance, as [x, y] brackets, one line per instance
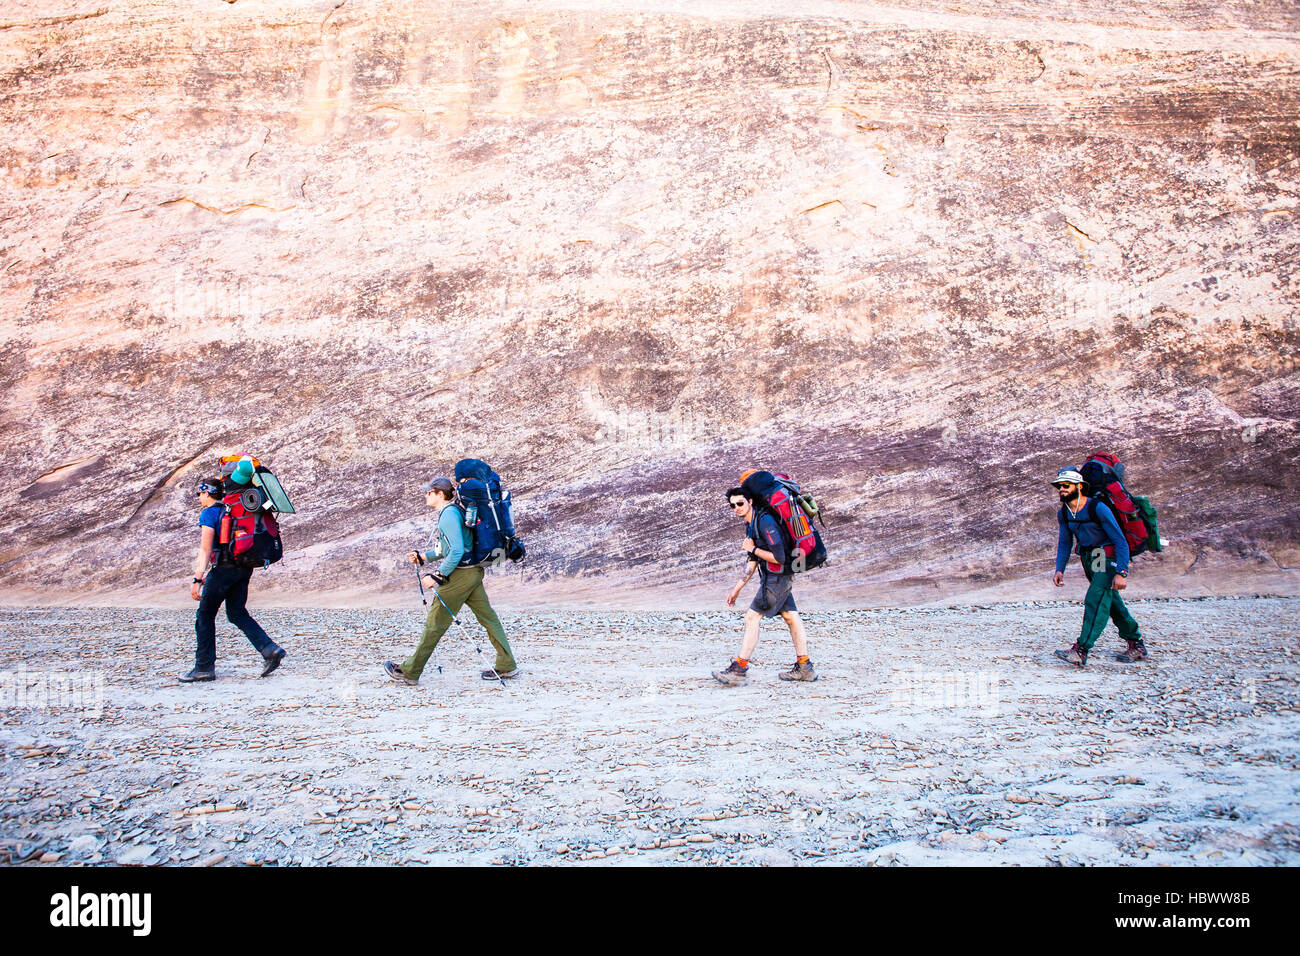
[487, 514]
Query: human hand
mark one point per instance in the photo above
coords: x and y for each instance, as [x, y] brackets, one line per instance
[732, 595]
[749, 545]
[1120, 582]
[415, 557]
[1058, 579]
[194, 590]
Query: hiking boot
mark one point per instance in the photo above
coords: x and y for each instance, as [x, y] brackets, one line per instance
[1137, 651]
[1073, 655]
[733, 676]
[197, 676]
[799, 672]
[504, 675]
[272, 658]
[397, 674]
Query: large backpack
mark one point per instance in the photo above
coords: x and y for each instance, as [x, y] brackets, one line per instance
[250, 533]
[1135, 514]
[779, 495]
[487, 511]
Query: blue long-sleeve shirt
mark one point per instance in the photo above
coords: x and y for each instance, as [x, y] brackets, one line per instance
[453, 540]
[1081, 529]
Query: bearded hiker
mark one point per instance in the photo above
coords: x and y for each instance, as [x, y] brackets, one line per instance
[456, 584]
[218, 579]
[765, 552]
[1089, 526]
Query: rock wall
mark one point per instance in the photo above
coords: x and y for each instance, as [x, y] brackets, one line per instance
[918, 258]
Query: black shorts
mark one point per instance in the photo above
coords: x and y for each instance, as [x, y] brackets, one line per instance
[775, 595]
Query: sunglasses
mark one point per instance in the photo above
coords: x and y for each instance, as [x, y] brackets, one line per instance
[737, 505]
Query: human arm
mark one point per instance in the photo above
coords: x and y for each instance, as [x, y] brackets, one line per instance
[770, 546]
[1106, 518]
[1064, 542]
[757, 553]
[452, 529]
[750, 568]
[202, 559]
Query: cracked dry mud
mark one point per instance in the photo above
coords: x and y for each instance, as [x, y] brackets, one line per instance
[935, 736]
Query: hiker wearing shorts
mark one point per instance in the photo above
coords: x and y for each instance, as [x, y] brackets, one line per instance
[763, 546]
[218, 580]
[1090, 528]
[455, 586]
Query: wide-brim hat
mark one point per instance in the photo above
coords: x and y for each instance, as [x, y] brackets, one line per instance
[1068, 476]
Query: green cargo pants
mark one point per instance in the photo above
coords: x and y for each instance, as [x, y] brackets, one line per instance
[464, 587]
[1103, 601]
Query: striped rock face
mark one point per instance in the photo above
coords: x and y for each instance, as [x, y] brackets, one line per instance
[918, 259]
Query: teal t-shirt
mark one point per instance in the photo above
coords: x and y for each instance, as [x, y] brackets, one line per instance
[453, 540]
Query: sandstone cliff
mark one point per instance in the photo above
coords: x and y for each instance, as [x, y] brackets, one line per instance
[919, 258]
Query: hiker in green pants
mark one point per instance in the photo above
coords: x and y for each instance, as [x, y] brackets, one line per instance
[1104, 554]
[457, 585]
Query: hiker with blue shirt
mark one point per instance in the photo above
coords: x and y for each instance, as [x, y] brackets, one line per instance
[457, 584]
[1089, 526]
[217, 580]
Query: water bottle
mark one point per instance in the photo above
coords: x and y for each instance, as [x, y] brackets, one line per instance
[471, 515]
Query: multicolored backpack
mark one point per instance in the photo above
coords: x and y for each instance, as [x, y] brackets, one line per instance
[795, 512]
[250, 533]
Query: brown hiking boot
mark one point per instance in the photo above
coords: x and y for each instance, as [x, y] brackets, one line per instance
[733, 676]
[1137, 651]
[799, 672]
[1073, 655]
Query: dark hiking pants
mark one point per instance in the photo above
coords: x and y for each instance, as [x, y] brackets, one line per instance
[228, 584]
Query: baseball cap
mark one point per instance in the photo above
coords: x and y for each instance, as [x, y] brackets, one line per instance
[439, 484]
[1067, 476]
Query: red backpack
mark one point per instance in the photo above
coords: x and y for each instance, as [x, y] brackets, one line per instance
[250, 535]
[780, 496]
[1135, 514]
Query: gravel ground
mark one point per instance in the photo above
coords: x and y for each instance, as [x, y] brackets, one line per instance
[935, 736]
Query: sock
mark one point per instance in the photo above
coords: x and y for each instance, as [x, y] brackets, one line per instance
[803, 658]
[742, 662]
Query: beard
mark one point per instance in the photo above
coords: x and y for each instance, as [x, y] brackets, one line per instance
[1071, 496]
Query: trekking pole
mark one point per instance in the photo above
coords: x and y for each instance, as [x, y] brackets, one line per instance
[477, 649]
